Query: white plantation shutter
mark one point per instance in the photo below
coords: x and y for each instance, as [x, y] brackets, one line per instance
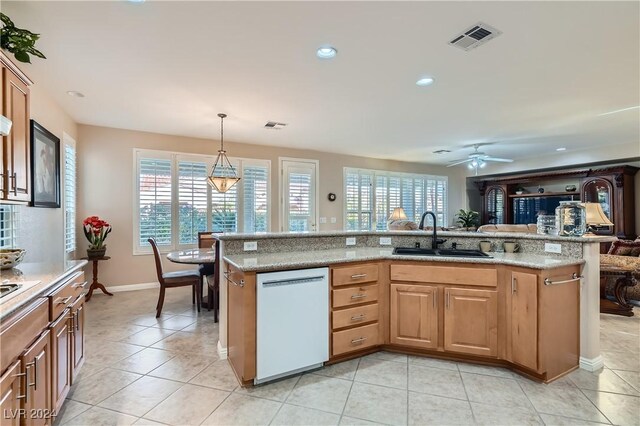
[69, 198]
[155, 201]
[8, 226]
[224, 210]
[255, 184]
[299, 201]
[369, 191]
[192, 200]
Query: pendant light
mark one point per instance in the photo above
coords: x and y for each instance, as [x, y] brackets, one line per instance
[223, 175]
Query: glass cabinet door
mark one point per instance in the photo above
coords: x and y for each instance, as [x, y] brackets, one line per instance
[598, 190]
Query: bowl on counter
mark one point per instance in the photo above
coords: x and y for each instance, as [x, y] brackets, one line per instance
[10, 258]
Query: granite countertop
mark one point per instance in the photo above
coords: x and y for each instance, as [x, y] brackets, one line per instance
[48, 275]
[260, 262]
[514, 235]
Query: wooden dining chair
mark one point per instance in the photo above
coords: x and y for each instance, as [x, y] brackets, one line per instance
[175, 279]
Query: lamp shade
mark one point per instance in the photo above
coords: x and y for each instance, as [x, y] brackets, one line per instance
[595, 215]
[398, 214]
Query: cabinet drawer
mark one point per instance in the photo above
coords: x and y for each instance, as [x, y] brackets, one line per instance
[65, 295]
[355, 274]
[355, 295]
[355, 316]
[355, 339]
[461, 275]
[18, 331]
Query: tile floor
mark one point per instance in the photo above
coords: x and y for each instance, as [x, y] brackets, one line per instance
[144, 371]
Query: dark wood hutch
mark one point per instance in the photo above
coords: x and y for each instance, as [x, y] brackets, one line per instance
[613, 187]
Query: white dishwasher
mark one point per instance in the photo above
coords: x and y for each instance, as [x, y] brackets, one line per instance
[292, 322]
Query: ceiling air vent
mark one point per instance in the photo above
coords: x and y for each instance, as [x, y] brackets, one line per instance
[442, 151]
[274, 125]
[474, 36]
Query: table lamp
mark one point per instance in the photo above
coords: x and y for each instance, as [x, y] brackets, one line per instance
[398, 214]
[595, 217]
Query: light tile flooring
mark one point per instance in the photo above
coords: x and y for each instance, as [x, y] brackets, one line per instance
[144, 371]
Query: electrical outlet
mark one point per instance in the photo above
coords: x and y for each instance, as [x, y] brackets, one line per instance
[323, 219]
[351, 241]
[385, 241]
[553, 248]
[334, 220]
[250, 246]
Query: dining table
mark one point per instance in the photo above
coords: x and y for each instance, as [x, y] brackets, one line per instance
[202, 256]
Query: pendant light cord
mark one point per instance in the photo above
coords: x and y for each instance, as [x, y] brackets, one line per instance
[222, 133]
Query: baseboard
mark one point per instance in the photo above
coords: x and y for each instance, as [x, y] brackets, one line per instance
[222, 352]
[130, 287]
[592, 364]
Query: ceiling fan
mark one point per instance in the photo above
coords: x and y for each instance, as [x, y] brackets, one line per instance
[478, 160]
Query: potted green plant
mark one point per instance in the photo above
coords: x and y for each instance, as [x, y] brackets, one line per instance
[467, 219]
[18, 41]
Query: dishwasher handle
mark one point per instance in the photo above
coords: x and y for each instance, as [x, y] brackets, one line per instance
[293, 281]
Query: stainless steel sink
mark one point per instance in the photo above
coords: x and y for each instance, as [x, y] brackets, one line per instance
[410, 251]
[6, 289]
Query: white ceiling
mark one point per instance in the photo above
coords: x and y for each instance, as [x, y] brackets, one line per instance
[169, 67]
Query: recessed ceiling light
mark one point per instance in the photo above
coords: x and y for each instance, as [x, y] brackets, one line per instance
[561, 149]
[75, 94]
[326, 52]
[425, 81]
[136, 1]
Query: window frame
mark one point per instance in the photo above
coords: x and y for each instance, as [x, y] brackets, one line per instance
[69, 141]
[175, 158]
[401, 176]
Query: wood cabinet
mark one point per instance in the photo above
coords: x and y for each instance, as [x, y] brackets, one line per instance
[355, 311]
[12, 384]
[414, 316]
[77, 323]
[61, 359]
[16, 147]
[37, 368]
[241, 323]
[471, 321]
[522, 304]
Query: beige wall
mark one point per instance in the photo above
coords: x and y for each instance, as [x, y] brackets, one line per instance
[105, 175]
[40, 230]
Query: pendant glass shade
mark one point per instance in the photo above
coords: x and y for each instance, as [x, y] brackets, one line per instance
[223, 175]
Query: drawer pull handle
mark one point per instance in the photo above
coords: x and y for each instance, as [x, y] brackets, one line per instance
[356, 276]
[358, 296]
[64, 301]
[358, 317]
[79, 285]
[358, 340]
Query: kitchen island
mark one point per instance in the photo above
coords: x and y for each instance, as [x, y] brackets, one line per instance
[534, 311]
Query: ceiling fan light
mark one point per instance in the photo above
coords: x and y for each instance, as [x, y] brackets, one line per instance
[483, 164]
[470, 166]
[474, 163]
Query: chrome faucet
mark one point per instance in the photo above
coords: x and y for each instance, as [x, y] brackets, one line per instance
[434, 239]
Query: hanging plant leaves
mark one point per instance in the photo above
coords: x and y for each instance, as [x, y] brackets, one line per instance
[18, 41]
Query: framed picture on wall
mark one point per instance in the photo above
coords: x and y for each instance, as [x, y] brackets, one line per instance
[45, 167]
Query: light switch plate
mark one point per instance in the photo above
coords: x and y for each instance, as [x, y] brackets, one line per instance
[385, 241]
[250, 246]
[334, 220]
[323, 219]
[351, 241]
[553, 248]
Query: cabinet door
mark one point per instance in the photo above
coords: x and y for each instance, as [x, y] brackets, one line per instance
[61, 359]
[17, 145]
[10, 386]
[37, 361]
[414, 316]
[471, 321]
[77, 311]
[524, 319]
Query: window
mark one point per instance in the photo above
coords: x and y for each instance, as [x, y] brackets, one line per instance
[8, 226]
[371, 196]
[175, 201]
[69, 196]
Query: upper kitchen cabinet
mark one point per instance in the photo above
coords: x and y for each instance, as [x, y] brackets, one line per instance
[15, 180]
